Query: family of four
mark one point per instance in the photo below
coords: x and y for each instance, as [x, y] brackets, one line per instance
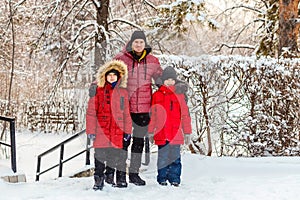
[122, 108]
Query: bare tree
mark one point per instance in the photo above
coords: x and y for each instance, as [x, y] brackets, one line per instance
[11, 23]
[11, 20]
[274, 29]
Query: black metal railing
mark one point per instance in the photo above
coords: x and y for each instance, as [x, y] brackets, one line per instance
[12, 144]
[61, 157]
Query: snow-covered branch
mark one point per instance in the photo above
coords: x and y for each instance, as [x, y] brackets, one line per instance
[121, 20]
[150, 4]
[234, 46]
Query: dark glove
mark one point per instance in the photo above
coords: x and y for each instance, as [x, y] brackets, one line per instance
[126, 140]
[126, 137]
[91, 137]
[93, 89]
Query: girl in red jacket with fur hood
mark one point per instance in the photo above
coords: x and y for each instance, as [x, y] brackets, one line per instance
[170, 124]
[107, 120]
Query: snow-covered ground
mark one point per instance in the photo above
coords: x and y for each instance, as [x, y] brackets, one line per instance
[203, 177]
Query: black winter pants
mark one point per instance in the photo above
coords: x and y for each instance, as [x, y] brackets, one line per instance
[140, 123]
[109, 158]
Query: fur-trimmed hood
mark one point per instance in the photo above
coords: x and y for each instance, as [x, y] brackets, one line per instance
[117, 65]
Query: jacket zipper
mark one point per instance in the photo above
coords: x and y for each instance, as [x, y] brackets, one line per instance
[138, 86]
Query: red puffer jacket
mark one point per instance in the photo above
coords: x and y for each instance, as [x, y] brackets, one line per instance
[140, 74]
[169, 116]
[108, 114]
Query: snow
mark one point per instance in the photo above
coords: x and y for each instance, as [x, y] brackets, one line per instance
[203, 177]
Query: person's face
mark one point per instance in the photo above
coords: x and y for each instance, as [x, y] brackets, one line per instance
[111, 77]
[169, 82]
[138, 45]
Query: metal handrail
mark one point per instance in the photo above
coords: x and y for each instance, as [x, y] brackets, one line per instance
[61, 158]
[12, 144]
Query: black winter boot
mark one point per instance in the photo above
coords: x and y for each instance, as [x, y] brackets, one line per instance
[136, 179]
[109, 178]
[121, 179]
[99, 182]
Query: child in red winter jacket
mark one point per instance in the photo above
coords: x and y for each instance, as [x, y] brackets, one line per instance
[170, 126]
[108, 124]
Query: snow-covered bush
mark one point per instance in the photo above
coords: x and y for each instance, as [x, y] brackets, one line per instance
[242, 106]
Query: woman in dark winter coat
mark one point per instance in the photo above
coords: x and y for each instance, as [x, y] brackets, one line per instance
[107, 121]
[171, 126]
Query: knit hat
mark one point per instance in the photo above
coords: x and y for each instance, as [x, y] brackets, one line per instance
[116, 72]
[138, 35]
[169, 72]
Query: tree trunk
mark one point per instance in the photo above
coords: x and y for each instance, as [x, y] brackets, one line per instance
[12, 55]
[205, 113]
[288, 28]
[100, 42]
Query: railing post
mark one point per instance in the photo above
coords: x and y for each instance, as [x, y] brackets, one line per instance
[61, 157]
[37, 178]
[13, 145]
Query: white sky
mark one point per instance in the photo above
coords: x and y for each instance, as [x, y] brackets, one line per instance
[203, 177]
